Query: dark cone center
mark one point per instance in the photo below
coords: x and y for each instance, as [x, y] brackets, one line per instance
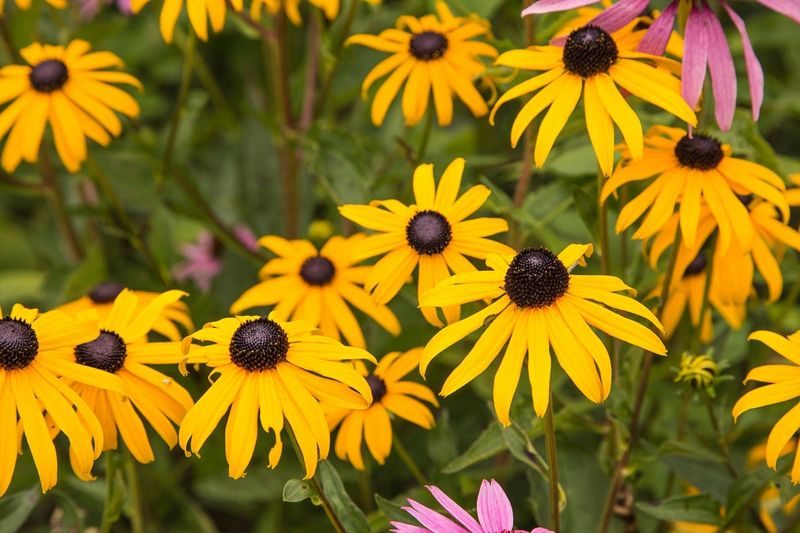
[746, 199]
[429, 233]
[536, 278]
[107, 352]
[317, 270]
[697, 266]
[428, 45]
[49, 75]
[589, 50]
[699, 151]
[18, 344]
[106, 292]
[259, 345]
[378, 388]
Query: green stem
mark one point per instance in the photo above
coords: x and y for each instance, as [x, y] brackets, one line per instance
[134, 495]
[60, 207]
[722, 438]
[324, 93]
[698, 330]
[602, 211]
[402, 452]
[189, 52]
[110, 515]
[552, 466]
[426, 136]
[8, 42]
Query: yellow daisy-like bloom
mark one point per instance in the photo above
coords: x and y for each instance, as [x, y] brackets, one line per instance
[783, 383]
[34, 354]
[200, 13]
[122, 349]
[271, 370]
[69, 88]
[292, 8]
[26, 4]
[316, 286]
[538, 303]
[694, 171]
[697, 370]
[431, 233]
[431, 55]
[100, 302]
[389, 395]
[594, 62]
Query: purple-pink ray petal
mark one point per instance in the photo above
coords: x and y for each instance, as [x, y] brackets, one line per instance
[455, 510]
[433, 520]
[789, 8]
[755, 74]
[494, 508]
[695, 57]
[542, 530]
[550, 6]
[723, 73]
[657, 36]
[399, 527]
[619, 15]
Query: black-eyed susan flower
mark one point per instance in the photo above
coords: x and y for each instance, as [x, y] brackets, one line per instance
[200, 13]
[316, 286]
[538, 303]
[782, 384]
[434, 55]
[591, 61]
[432, 233]
[100, 301]
[292, 8]
[270, 371]
[69, 88]
[390, 396]
[25, 4]
[34, 354]
[122, 349]
[694, 170]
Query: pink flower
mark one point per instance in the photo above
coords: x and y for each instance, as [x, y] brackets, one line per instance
[705, 46]
[494, 514]
[90, 8]
[202, 263]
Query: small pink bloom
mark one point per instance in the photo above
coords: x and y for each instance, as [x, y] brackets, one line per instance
[201, 259]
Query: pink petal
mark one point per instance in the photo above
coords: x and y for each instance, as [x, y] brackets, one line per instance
[542, 530]
[695, 56]
[433, 520]
[455, 510]
[494, 509]
[657, 36]
[399, 527]
[619, 15]
[549, 6]
[723, 73]
[755, 74]
[789, 8]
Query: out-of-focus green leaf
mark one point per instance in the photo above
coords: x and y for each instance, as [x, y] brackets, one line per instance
[345, 510]
[392, 511]
[297, 490]
[697, 508]
[745, 490]
[487, 445]
[707, 475]
[16, 508]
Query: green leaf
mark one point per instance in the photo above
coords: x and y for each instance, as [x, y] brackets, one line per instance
[698, 508]
[709, 476]
[392, 511]
[16, 508]
[587, 206]
[487, 445]
[745, 490]
[350, 516]
[297, 490]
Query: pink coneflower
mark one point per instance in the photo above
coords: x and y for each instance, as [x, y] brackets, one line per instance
[705, 46]
[90, 8]
[201, 259]
[494, 514]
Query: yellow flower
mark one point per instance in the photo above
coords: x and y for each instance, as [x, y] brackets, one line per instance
[122, 349]
[100, 301]
[697, 370]
[199, 11]
[292, 8]
[593, 61]
[26, 4]
[34, 354]
[271, 370]
[436, 55]
[316, 286]
[694, 170]
[537, 303]
[68, 88]
[389, 395]
[783, 383]
[431, 233]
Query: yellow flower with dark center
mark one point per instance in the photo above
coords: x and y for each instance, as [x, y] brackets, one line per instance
[782, 384]
[316, 286]
[694, 170]
[122, 349]
[538, 303]
[69, 88]
[26, 4]
[432, 55]
[292, 8]
[100, 301]
[390, 395]
[200, 12]
[34, 354]
[433, 234]
[270, 370]
[594, 62]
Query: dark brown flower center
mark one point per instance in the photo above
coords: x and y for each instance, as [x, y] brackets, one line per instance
[258, 345]
[589, 50]
[536, 278]
[429, 232]
[49, 75]
[428, 45]
[378, 388]
[701, 152]
[106, 292]
[697, 266]
[107, 352]
[746, 199]
[18, 344]
[317, 270]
